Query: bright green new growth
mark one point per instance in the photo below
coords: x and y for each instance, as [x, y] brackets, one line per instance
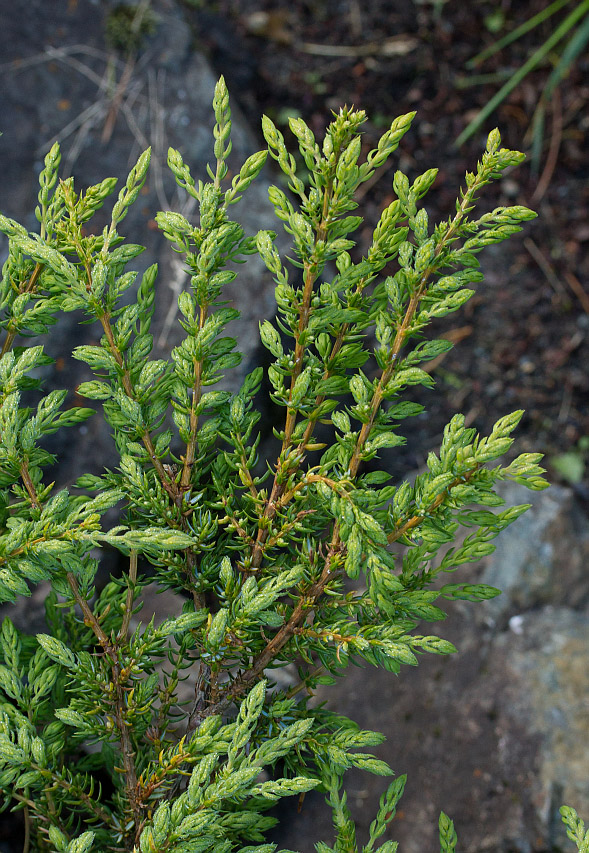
[95, 745]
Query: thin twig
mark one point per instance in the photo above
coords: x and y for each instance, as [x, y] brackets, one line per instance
[364, 188]
[310, 276]
[122, 635]
[116, 101]
[545, 266]
[578, 289]
[63, 54]
[120, 703]
[86, 117]
[454, 336]
[416, 520]
[127, 111]
[305, 603]
[27, 838]
[90, 619]
[29, 485]
[29, 287]
[555, 141]
[156, 89]
[126, 75]
[177, 279]
[319, 670]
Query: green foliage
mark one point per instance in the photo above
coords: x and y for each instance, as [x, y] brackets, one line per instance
[575, 828]
[261, 553]
[448, 839]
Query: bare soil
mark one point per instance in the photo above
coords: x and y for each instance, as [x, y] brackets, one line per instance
[522, 341]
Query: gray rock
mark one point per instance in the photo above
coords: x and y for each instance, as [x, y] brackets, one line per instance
[59, 89]
[28, 614]
[530, 564]
[542, 666]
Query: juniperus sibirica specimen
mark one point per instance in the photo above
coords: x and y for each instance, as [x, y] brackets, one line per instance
[96, 747]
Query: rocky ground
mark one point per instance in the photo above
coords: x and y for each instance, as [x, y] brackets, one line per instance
[497, 735]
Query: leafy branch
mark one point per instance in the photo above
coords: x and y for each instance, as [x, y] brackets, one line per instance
[258, 551]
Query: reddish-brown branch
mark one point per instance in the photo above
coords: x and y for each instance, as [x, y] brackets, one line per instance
[120, 704]
[304, 314]
[243, 682]
[415, 520]
[29, 485]
[28, 288]
[196, 397]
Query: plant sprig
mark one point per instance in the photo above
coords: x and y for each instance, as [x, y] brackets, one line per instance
[260, 550]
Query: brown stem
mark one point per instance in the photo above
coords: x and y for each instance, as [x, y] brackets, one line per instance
[28, 288]
[197, 597]
[8, 341]
[387, 373]
[415, 520]
[94, 807]
[403, 329]
[28, 483]
[27, 838]
[90, 619]
[305, 603]
[166, 481]
[196, 396]
[284, 635]
[274, 646]
[337, 345]
[304, 314]
[122, 635]
[307, 600]
[310, 477]
[111, 649]
[232, 520]
[287, 527]
[30, 285]
[206, 695]
[127, 751]
[303, 684]
[275, 498]
[291, 416]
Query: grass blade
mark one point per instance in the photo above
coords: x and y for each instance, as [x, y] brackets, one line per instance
[533, 61]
